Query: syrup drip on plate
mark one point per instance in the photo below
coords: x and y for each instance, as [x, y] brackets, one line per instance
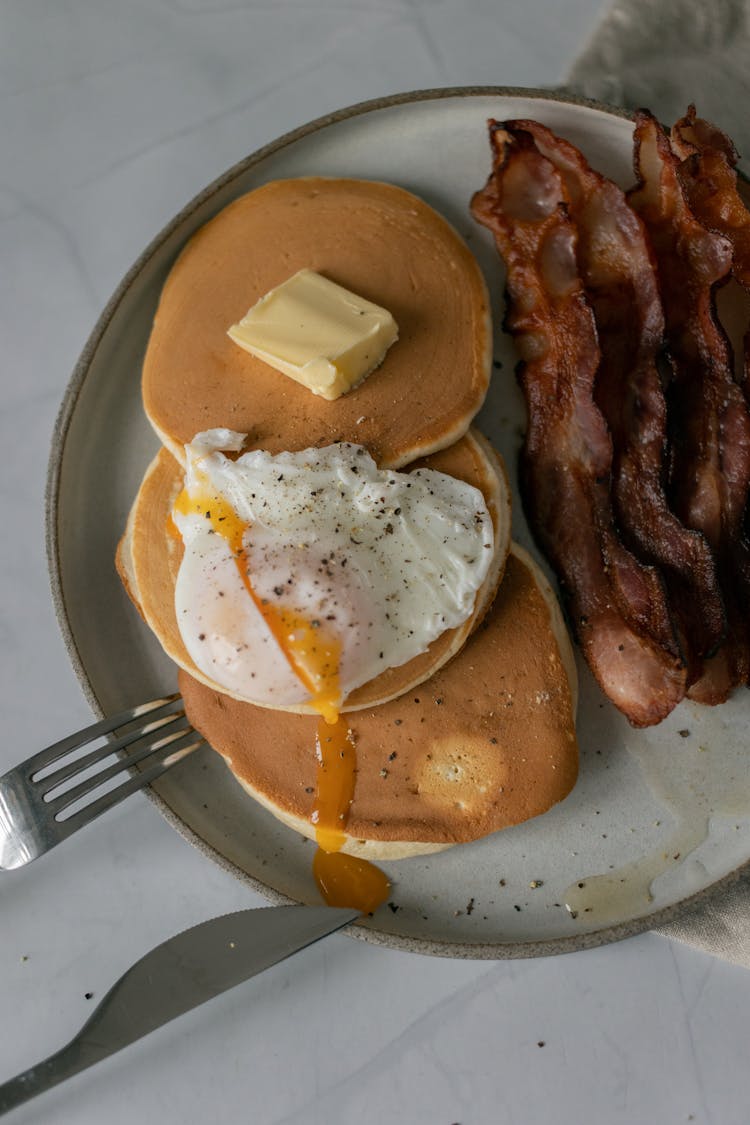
[314, 654]
[699, 775]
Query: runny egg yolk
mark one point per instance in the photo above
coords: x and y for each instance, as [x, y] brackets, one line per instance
[343, 880]
[313, 653]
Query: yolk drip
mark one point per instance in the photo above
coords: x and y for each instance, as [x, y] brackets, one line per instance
[313, 652]
[343, 880]
[314, 655]
[334, 792]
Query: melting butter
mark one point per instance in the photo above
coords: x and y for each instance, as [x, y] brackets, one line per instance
[318, 333]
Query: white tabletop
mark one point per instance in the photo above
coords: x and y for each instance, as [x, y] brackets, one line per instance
[112, 116]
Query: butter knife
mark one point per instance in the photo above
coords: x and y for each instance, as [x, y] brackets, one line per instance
[178, 975]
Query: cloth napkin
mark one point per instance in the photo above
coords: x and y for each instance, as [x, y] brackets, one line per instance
[665, 54]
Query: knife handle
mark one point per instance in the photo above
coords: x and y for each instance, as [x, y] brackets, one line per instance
[69, 1060]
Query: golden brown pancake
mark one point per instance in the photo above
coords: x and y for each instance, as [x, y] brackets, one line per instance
[487, 742]
[377, 240]
[149, 556]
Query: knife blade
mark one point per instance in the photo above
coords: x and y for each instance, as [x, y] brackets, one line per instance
[176, 976]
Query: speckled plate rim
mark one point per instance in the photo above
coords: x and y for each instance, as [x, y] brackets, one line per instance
[461, 950]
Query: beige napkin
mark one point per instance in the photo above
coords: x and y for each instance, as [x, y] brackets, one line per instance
[664, 54]
[719, 924]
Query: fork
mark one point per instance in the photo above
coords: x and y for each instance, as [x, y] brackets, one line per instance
[36, 814]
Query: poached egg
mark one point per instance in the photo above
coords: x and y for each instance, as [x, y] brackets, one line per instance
[305, 575]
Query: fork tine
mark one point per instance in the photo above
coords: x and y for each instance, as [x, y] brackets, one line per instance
[31, 825]
[166, 756]
[69, 769]
[57, 750]
[141, 747]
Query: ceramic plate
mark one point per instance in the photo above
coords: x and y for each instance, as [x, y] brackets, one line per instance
[657, 817]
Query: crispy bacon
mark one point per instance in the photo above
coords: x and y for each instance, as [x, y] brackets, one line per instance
[616, 264]
[709, 423]
[617, 606]
[709, 180]
[694, 134]
[708, 159]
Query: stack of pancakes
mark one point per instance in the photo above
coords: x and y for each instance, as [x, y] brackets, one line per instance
[477, 732]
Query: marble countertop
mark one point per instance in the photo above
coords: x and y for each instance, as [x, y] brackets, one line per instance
[112, 116]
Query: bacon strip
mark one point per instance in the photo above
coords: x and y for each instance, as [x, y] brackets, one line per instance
[618, 271]
[693, 134]
[707, 175]
[709, 422]
[617, 605]
[708, 178]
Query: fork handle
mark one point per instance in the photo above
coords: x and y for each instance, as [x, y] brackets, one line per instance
[69, 1060]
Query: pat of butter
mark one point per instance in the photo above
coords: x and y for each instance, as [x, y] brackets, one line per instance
[318, 333]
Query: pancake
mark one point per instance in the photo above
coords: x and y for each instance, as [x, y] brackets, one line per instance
[148, 560]
[489, 741]
[377, 240]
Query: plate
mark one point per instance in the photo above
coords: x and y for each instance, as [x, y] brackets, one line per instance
[657, 818]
